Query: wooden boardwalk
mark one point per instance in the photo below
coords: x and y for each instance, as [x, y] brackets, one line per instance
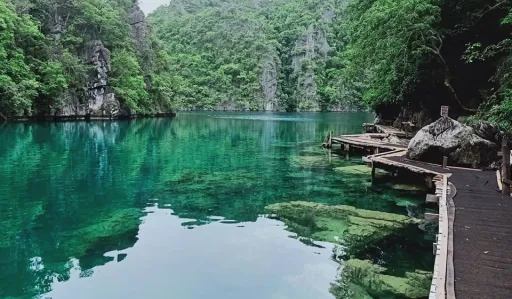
[474, 247]
[482, 237]
[367, 141]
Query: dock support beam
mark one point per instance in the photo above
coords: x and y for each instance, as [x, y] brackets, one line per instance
[505, 170]
[373, 173]
[429, 181]
[347, 151]
[445, 161]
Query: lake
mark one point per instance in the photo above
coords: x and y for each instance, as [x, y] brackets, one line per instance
[175, 208]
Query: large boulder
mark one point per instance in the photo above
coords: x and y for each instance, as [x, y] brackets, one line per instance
[460, 143]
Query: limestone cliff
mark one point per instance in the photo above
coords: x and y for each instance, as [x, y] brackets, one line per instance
[96, 98]
[269, 76]
[140, 34]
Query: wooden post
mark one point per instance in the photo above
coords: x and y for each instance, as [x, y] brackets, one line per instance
[430, 183]
[373, 173]
[329, 144]
[376, 150]
[445, 161]
[505, 170]
[347, 151]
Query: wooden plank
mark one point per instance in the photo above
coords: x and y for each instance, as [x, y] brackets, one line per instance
[450, 268]
[443, 243]
[432, 198]
[431, 217]
[505, 171]
[498, 179]
[411, 168]
[359, 141]
[398, 152]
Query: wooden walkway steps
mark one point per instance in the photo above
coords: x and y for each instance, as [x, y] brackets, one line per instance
[482, 237]
[474, 242]
[367, 141]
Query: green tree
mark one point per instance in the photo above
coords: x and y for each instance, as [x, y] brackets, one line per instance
[128, 82]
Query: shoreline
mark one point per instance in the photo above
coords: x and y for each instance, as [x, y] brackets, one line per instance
[87, 118]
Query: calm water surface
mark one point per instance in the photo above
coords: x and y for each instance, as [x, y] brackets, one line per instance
[172, 208]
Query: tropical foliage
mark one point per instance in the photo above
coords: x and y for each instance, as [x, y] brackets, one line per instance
[389, 55]
[422, 54]
[42, 45]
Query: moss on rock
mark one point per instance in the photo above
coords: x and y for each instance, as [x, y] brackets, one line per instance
[120, 223]
[373, 278]
[345, 225]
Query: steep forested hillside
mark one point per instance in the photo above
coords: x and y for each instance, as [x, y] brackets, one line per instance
[403, 57]
[399, 57]
[271, 55]
[78, 58]
[416, 55]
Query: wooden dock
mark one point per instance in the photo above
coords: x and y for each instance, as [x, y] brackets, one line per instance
[482, 231]
[474, 244]
[369, 142]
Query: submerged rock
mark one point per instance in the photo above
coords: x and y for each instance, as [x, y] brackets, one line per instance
[447, 137]
[112, 231]
[354, 169]
[363, 274]
[341, 224]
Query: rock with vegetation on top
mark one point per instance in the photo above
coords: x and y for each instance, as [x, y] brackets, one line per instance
[460, 143]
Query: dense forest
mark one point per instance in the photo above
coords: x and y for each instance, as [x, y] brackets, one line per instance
[402, 58]
[266, 55]
[398, 57]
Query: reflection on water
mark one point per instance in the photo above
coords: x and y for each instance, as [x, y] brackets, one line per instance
[170, 261]
[164, 208]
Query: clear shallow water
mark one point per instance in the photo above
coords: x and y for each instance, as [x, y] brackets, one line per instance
[162, 208]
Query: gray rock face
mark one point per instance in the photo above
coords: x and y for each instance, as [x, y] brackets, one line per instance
[447, 137]
[268, 80]
[140, 33]
[308, 49]
[98, 57]
[96, 101]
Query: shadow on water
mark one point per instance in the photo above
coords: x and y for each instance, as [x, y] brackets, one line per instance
[77, 198]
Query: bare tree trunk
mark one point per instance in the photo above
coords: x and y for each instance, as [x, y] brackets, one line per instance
[448, 82]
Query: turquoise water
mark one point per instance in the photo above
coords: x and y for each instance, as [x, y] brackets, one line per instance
[173, 208]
